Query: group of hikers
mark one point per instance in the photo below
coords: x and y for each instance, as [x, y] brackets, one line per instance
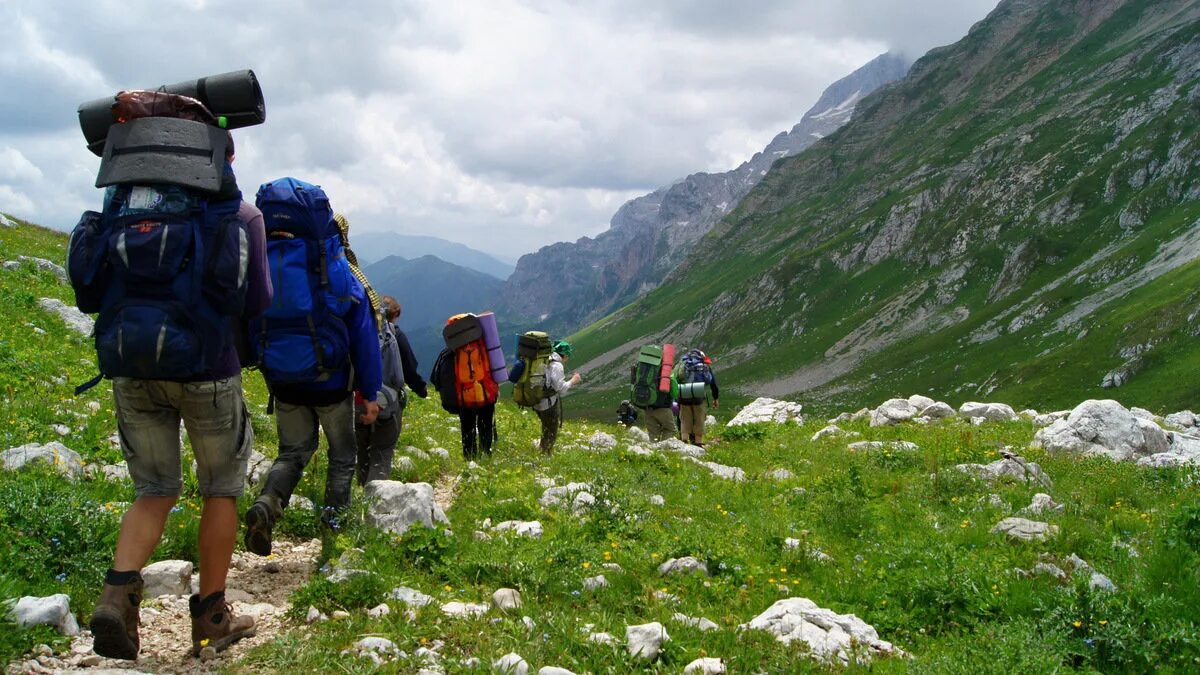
[190, 284]
[673, 396]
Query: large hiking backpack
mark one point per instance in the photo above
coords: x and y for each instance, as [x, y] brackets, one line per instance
[644, 377]
[533, 354]
[302, 337]
[166, 268]
[474, 386]
[695, 378]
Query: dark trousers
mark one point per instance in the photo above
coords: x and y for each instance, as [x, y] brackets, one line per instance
[551, 419]
[298, 428]
[376, 447]
[477, 424]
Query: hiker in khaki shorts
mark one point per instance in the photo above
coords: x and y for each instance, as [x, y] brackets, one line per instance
[696, 383]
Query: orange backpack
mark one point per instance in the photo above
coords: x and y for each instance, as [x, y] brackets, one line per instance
[473, 381]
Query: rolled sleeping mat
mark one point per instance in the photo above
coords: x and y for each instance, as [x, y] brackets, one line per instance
[491, 340]
[236, 96]
[668, 364]
[164, 150]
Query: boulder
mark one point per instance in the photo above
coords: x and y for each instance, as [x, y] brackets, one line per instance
[55, 455]
[520, 528]
[505, 599]
[1012, 466]
[897, 446]
[685, 565]
[732, 473]
[258, 466]
[893, 411]
[646, 640]
[511, 664]
[937, 411]
[167, 577]
[710, 421]
[1103, 428]
[831, 637]
[45, 266]
[1184, 420]
[1025, 530]
[920, 402]
[992, 412]
[76, 320]
[705, 666]
[394, 506]
[53, 610]
[768, 410]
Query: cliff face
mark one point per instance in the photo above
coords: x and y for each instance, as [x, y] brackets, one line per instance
[566, 285]
[1019, 215]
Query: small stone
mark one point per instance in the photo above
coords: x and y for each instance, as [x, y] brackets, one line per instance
[644, 641]
[705, 666]
[208, 653]
[340, 614]
[657, 500]
[529, 623]
[505, 599]
[596, 582]
[512, 664]
[685, 565]
[601, 638]
[272, 567]
[379, 610]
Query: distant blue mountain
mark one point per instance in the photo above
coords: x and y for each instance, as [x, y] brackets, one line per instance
[371, 247]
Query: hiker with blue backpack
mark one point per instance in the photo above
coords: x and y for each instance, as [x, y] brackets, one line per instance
[697, 383]
[174, 264]
[316, 345]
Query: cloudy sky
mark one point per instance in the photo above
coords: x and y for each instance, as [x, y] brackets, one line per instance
[502, 124]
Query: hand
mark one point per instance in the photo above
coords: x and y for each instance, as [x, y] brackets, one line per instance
[576, 378]
[716, 404]
[370, 412]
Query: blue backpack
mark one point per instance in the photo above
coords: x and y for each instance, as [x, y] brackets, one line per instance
[302, 337]
[166, 268]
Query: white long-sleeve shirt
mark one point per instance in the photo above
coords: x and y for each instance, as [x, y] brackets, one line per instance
[556, 381]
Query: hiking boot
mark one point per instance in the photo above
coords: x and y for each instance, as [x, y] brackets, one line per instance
[259, 520]
[115, 620]
[214, 625]
[331, 519]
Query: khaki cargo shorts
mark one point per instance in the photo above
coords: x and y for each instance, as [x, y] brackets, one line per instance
[217, 423]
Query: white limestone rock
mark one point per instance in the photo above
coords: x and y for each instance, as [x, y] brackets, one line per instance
[1011, 466]
[674, 445]
[601, 441]
[780, 474]
[832, 431]
[1184, 420]
[53, 610]
[57, 456]
[553, 670]
[394, 506]
[657, 500]
[893, 411]
[646, 640]
[76, 320]
[768, 410]
[1103, 428]
[595, 583]
[831, 637]
[991, 412]
[1024, 529]
[167, 577]
[563, 494]
[511, 664]
[700, 623]
[937, 411]
[520, 528]
[705, 666]
[732, 473]
[1043, 503]
[1047, 419]
[464, 609]
[506, 599]
[410, 597]
[638, 434]
[895, 446]
[601, 639]
[684, 565]
[380, 610]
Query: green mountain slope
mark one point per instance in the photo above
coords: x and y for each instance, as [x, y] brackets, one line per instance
[1017, 219]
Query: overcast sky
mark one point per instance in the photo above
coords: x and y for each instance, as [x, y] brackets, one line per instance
[502, 124]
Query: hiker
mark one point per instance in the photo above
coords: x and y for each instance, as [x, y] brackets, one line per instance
[408, 360]
[376, 442]
[139, 295]
[462, 375]
[696, 382]
[318, 350]
[627, 415]
[549, 409]
[654, 392]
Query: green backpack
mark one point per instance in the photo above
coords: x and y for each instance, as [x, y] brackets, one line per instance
[644, 376]
[533, 350]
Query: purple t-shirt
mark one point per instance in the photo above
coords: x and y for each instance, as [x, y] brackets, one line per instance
[258, 290]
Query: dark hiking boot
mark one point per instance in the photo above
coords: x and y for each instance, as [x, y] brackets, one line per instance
[259, 520]
[115, 620]
[214, 624]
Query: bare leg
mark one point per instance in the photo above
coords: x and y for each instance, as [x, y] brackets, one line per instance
[218, 531]
[141, 530]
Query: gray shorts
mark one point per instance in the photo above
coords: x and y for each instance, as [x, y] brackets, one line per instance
[218, 426]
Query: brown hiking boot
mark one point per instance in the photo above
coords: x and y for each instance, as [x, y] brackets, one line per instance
[214, 625]
[115, 620]
[260, 520]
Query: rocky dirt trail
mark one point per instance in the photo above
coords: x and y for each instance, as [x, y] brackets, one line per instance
[257, 586]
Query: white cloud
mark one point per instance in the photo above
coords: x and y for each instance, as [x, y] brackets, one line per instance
[507, 122]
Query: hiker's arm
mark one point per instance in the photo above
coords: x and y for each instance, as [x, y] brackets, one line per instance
[412, 376]
[716, 393]
[556, 373]
[258, 289]
[364, 348]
